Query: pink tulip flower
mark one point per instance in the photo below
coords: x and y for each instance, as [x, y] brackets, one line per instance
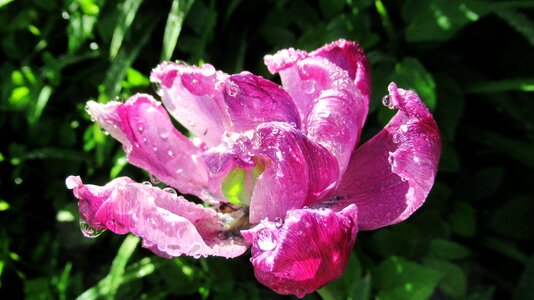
[278, 167]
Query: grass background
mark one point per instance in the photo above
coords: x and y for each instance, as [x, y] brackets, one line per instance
[472, 63]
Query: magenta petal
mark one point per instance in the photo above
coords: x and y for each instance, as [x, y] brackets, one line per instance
[298, 172]
[252, 100]
[309, 250]
[149, 138]
[346, 55]
[330, 87]
[193, 95]
[390, 176]
[168, 224]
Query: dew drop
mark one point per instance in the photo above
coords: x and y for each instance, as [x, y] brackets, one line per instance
[154, 179]
[404, 128]
[170, 190]
[164, 135]
[155, 149]
[147, 183]
[89, 231]
[266, 241]
[145, 140]
[231, 88]
[140, 126]
[170, 153]
[105, 132]
[386, 101]
[278, 222]
[308, 86]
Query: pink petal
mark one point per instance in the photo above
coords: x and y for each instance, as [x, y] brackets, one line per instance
[298, 171]
[149, 138]
[390, 176]
[169, 224]
[309, 250]
[194, 97]
[330, 87]
[252, 100]
[346, 55]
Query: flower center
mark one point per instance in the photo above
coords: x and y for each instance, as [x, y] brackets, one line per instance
[238, 185]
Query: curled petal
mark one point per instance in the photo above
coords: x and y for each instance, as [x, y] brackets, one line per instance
[310, 249]
[346, 55]
[169, 224]
[252, 100]
[390, 176]
[298, 172]
[193, 95]
[149, 138]
[330, 87]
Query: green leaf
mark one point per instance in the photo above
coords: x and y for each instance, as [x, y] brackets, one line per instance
[351, 285]
[440, 20]
[517, 149]
[179, 10]
[450, 108]
[462, 219]
[127, 12]
[514, 218]
[411, 74]
[448, 250]
[40, 105]
[331, 8]
[449, 160]
[454, 280]
[519, 84]
[520, 23]
[398, 279]
[4, 2]
[4, 205]
[525, 289]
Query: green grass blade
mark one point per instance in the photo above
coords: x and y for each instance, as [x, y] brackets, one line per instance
[127, 12]
[176, 17]
[125, 58]
[119, 264]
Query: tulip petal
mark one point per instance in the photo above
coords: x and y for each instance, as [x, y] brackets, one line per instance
[330, 87]
[252, 100]
[390, 176]
[151, 142]
[193, 96]
[346, 55]
[310, 249]
[169, 224]
[298, 172]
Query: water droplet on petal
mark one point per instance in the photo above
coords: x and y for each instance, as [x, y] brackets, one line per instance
[105, 132]
[308, 86]
[386, 101]
[89, 231]
[155, 149]
[278, 222]
[170, 190]
[169, 152]
[154, 179]
[140, 126]
[232, 88]
[404, 128]
[164, 135]
[266, 241]
[147, 183]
